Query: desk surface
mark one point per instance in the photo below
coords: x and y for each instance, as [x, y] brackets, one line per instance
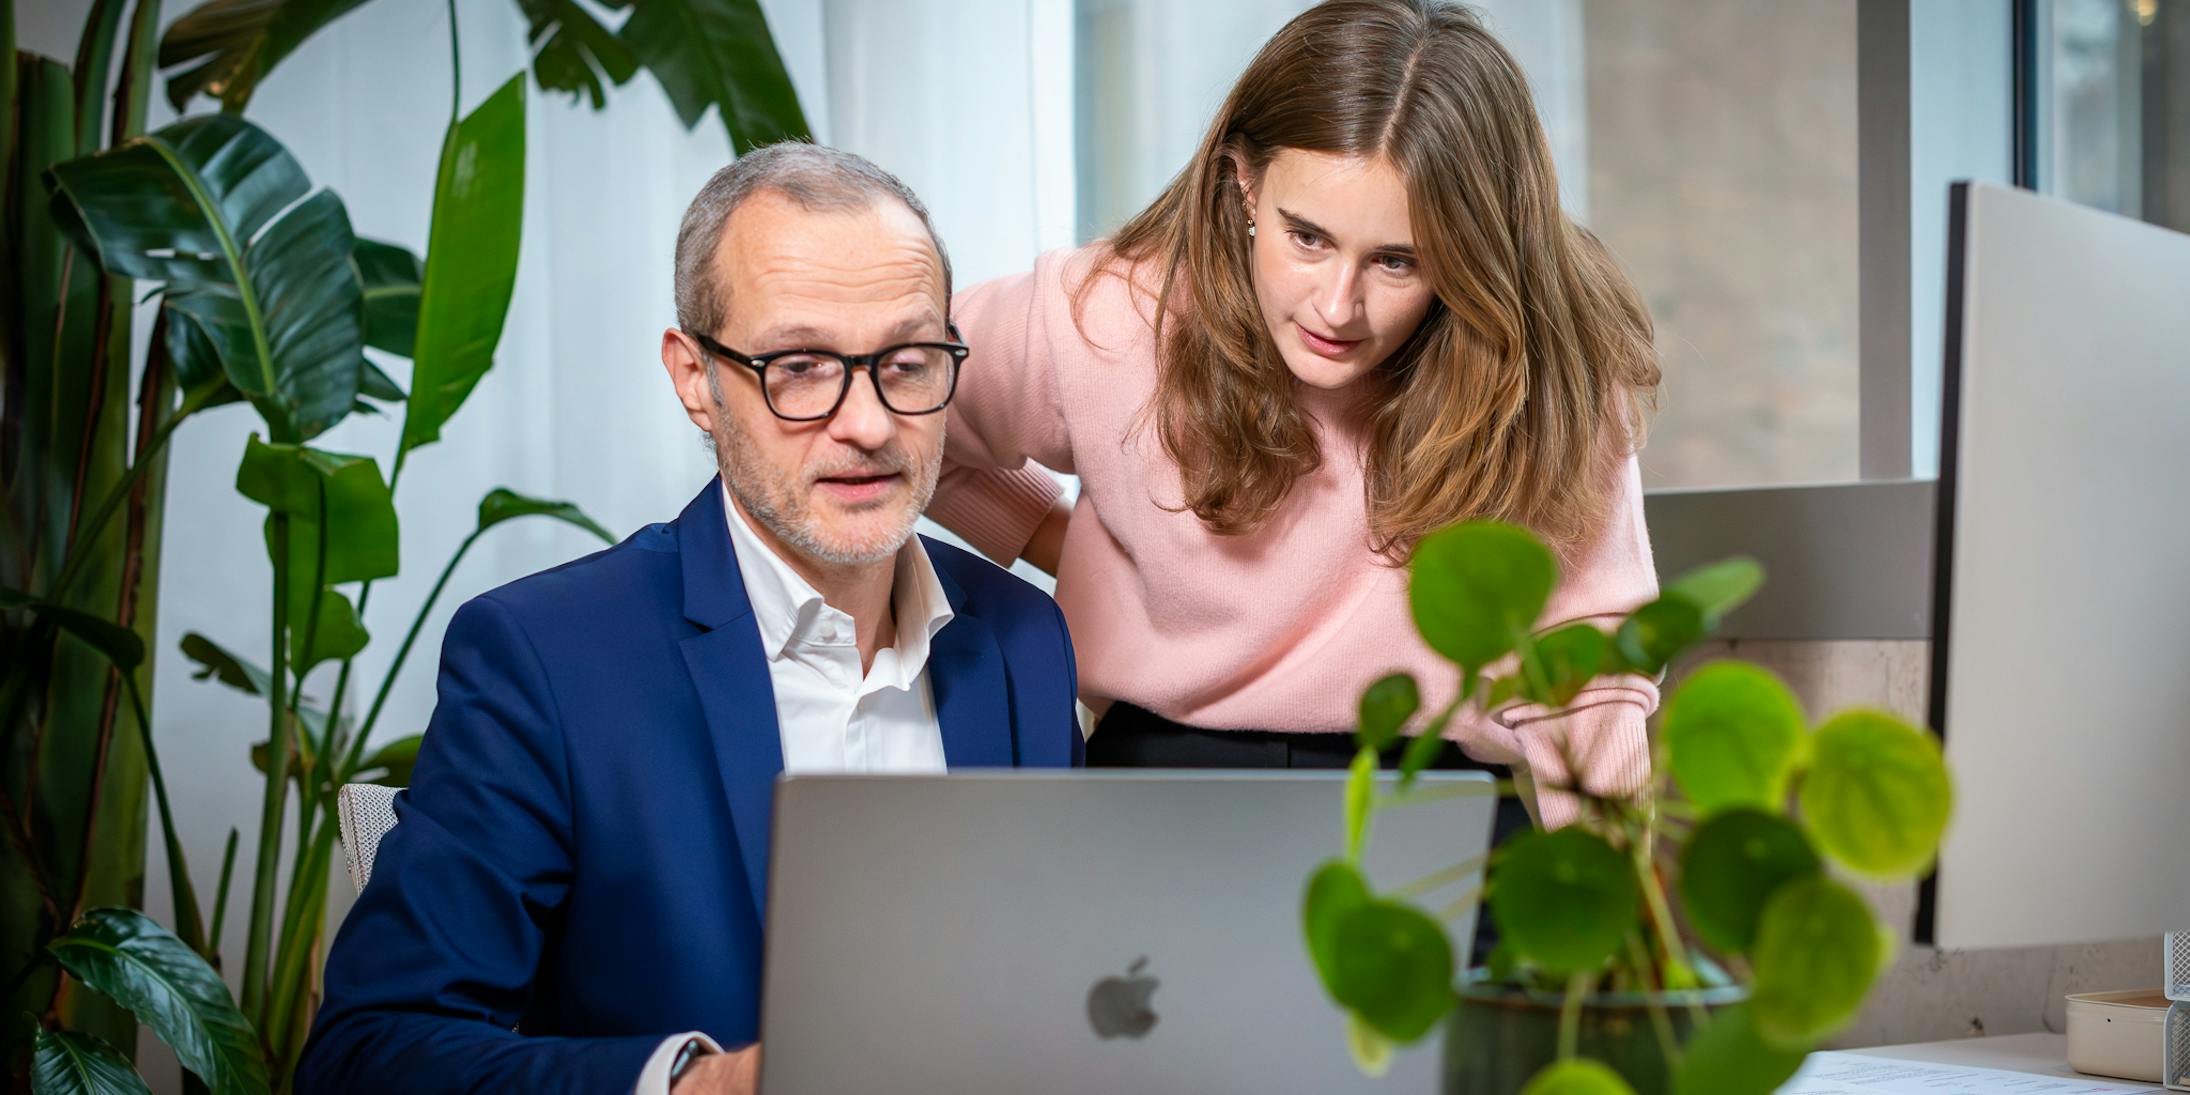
[2038, 1054]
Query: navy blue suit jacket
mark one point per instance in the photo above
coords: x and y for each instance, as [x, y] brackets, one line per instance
[582, 852]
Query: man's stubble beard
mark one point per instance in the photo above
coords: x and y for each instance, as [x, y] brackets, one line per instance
[779, 503]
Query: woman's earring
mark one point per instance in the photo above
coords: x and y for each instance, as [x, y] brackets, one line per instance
[1250, 230]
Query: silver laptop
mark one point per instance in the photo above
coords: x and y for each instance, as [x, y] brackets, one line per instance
[1075, 931]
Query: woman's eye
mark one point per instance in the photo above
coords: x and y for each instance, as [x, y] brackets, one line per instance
[1393, 264]
[1305, 239]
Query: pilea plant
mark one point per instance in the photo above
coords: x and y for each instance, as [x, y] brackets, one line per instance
[1713, 904]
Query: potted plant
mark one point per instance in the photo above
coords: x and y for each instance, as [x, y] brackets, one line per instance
[1696, 938]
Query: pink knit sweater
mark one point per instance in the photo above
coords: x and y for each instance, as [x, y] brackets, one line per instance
[1279, 629]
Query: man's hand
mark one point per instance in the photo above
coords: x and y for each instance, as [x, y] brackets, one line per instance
[733, 1073]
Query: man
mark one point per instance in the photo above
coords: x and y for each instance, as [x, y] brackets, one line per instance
[573, 896]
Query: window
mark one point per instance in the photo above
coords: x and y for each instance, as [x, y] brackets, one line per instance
[2112, 117]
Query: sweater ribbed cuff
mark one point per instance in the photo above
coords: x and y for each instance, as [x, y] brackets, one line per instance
[995, 511]
[1602, 749]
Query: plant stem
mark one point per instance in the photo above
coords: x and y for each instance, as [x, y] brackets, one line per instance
[1659, 1020]
[112, 503]
[220, 899]
[189, 921]
[277, 784]
[1439, 878]
[1570, 1016]
[456, 70]
[1459, 906]
[402, 653]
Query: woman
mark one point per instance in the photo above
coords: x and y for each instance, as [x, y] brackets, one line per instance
[1357, 316]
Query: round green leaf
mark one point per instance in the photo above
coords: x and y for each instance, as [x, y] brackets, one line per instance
[1718, 588]
[1729, 1057]
[1733, 734]
[67, 1063]
[127, 956]
[1564, 900]
[1658, 632]
[1386, 707]
[1580, 1076]
[1394, 967]
[1877, 794]
[1571, 657]
[1476, 586]
[1731, 868]
[1816, 954]
[1333, 891]
[1360, 802]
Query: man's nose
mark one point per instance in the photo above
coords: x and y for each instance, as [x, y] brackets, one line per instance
[862, 421]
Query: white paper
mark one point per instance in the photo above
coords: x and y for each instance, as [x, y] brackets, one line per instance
[1840, 1073]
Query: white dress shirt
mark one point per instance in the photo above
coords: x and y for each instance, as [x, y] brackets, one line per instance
[830, 716]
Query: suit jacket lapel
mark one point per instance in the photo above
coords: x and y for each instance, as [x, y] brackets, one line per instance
[972, 701]
[730, 674]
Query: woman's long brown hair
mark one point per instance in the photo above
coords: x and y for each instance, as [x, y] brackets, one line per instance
[1535, 364]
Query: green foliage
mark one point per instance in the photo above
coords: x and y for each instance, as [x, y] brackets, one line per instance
[1587, 907]
[1385, 708]
[1877, 795]
[67, 1063]
[471, 260]
[1477, 588]
[1580, 1076]
[1732, 735]
[1817, 952]
[1732, 866]
[1563, 900]
[122, 953]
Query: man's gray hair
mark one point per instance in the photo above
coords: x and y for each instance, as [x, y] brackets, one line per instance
[815, 176]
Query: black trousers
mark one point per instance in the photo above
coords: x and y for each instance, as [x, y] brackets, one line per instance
[1133, 737]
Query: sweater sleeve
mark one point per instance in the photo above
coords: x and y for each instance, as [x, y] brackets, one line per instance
[1008, 414]
[1600, 742]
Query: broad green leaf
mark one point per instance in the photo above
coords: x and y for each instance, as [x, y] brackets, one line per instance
[67, 1063]
[323, 616]
[573, 53]
[1372, 1052]
[122, 646]
[1571, 657]
[1422, 751]
[1564, 900]
[1385, 707]
[373, 383]
[1656, 634]
[1719, 588]
[246, 676]
[1360, 802]
[390, 276]
[1732, 866]
[1476, 587]
[1816, 955]
[198, 364]
[1729, 1057]
[359, 513]
[232, 45]
[1334, 890]
[1733, 735]
[1877, 794]
[1393, 967]
[391, 764]
[718, 53]
[1580, 1076]
[302, 758]
[143, 967]
[471, 260]
[218, 208]
[502, 504]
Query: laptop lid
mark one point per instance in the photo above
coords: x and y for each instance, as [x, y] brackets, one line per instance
[1076, 931]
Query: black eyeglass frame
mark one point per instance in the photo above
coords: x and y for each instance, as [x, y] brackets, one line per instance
[853, 363]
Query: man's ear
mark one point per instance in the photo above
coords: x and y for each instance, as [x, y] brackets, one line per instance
[687, 368]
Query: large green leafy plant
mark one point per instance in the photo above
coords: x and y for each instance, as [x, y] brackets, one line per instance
[1735, 863]
[261, 295]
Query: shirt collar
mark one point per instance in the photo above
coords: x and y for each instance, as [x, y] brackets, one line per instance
[789, 609]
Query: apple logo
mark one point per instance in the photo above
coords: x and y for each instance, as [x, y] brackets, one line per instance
[1118, 1006]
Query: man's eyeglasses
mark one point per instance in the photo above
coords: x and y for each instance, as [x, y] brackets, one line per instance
[809, 385]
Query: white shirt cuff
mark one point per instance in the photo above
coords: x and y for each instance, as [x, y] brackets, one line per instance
[654, 1078]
